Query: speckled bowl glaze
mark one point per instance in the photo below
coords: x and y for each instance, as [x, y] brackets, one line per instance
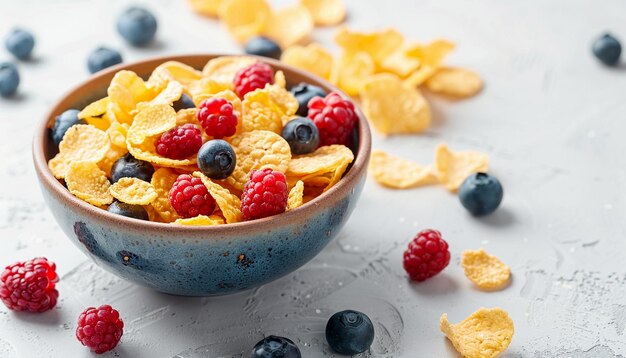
[198, 261]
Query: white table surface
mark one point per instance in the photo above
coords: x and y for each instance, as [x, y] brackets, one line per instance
[552, 119]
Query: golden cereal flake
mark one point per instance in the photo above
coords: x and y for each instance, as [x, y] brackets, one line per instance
[201, 220]
[398, 173]
[87, 182]
[296, 193]
[229, 204]
[133, 191]
[81, 142]
[486, 271]
[453, 168]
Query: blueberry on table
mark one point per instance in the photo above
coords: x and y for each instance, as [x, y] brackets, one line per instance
[9, 79]
[129, 167]
[20, 43]
[302, 135]
[101, 58]
[349, 332]
[128, 210]
[216, 159]
[62, 123]
[183, 102]
[607, 49]
[303, 93]
[137, 26]
[481, 194]
[262, 46]
[275, 347]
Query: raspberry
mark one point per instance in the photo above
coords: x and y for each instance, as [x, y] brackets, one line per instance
[190, 198]
[29, 285]
[426, 256]
[334, 117]
[252, 77]
[180, 142]
[100, 329]
[265, 194]
[217, 117]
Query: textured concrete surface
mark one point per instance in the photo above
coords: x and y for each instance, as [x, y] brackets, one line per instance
[551, 118]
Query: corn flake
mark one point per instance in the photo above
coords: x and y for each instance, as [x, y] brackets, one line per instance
[326, 12]
[169, 95]
[147, 151]
[95, 109]
[162, 181]
[453, 168]
[430, 57]
[206, 7]
[289, 25]
[113, 154]
[352, 70]
[454, 82]
[81, 142]
[222, 70]
[87, 182]
[294, 199]
[229, 204]
[267, 109]
[244, 18]
[486, 333]
[398, 173]
[179, 72]
[379, 45]
[133, 191]
[201, 220]
[323, 160]
[486, 271]
[152, 120]
[312, 58]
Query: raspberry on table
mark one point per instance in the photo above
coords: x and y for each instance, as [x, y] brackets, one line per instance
[334, 117]
[190, 198]
[265, 194]
[100, 329]
[180, 142]
[426, 256]
[217, 117]
[29, 285]
[252, 77]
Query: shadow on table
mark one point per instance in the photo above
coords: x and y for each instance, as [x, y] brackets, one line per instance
[502, 217]
[48, 318]
[442, 284]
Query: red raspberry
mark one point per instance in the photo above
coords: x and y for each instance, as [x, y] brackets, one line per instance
[334, 117]
[426, 256]
[100, 329]
[180, 142]
[190, 198]
[29, 285]
[265, 194]
[217, 117]
[252, 77]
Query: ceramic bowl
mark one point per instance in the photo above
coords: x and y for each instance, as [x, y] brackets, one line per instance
[198, 261]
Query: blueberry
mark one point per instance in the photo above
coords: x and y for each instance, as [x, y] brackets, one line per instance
[101, 58]
[137, 26]
[262, 46]
[303, 93]
[129, 167]
[62, 123]
[9, 79]
[216, 159]
[607, 49]
[275, 347]
[481, 194]
[349, 332]
[302, 135]
[129, 210]
[20, 43]
[183, 102]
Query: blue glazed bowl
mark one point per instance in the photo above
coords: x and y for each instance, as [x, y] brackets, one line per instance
[198, 261]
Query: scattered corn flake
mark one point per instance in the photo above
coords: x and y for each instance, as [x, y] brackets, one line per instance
[326, 12]
[294, 199]
[133, 191]
[201, 220]
[379, 45]
[95, 109]
[398, 173]
[87, 182]
[255, 150]
[452, 168]
[352, 70]
[151, 121]
[486, 271]
[162, 181]
[393, 107]
[82, 142]
[222, 70]
[454, 82]
[430, 56]
[289, 26]
[206, 7]
[245, 18]
[169, 95]
[312, 58]
[324, 159]
[399, 63]
[229, 204]
[486, 333]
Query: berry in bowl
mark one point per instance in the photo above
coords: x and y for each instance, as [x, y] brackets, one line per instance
[195, 175]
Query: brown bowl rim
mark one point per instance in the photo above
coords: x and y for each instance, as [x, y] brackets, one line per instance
[347, 182]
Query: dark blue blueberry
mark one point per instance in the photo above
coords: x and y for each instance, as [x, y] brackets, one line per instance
[129, 167]
[131, 259]
[183, 102]
[607, 49]
[303, 93]
[262, 46]
[101, 58]
[137, 26]
[302, 135]
[62, 123]
[481, 194]
[216, 159]
[349, 332]
[276, 347]
[9, 79]
[128, 210]
[20, 43]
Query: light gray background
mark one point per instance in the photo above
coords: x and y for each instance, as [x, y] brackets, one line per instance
[551, 118]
